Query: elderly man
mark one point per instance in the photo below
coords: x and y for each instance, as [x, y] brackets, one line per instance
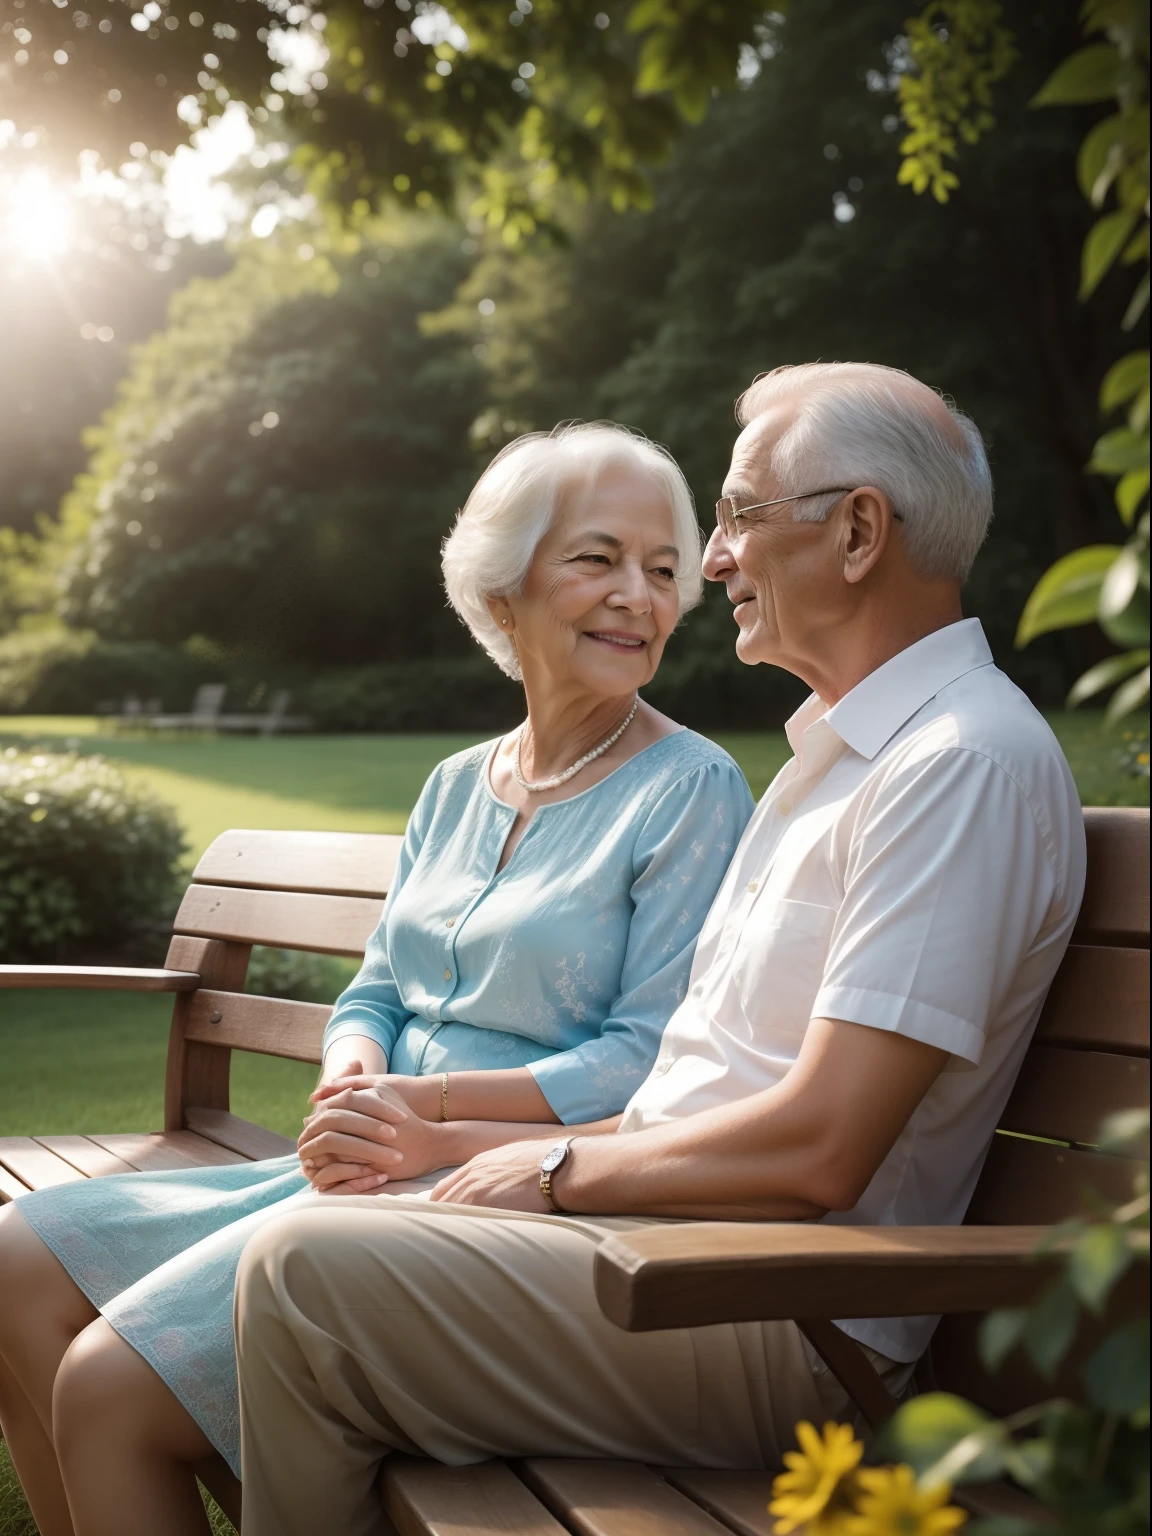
[862, 995]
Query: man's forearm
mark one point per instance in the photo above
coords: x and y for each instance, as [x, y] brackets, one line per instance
[674, 1170]
[462, 1139]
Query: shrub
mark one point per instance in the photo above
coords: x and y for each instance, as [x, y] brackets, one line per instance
[70, 672]
[88, 862]
[293, 973]
[440, 694]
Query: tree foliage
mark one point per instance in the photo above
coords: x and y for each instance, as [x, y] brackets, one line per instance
[282, 463]
[390, 101]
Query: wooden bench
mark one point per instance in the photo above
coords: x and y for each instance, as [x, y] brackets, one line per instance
[323, 892]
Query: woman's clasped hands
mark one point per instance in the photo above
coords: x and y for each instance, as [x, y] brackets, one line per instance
[364, 1133]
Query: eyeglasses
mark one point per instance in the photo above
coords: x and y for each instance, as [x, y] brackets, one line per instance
[728, 513]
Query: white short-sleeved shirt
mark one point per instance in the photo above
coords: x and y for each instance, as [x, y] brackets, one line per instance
[917, 867]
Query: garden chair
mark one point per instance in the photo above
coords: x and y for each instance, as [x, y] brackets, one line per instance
[323, 892]
[203, 716]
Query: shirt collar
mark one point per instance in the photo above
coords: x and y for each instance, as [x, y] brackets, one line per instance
[871, 713]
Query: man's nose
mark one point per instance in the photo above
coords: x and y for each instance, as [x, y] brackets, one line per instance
[718, 559]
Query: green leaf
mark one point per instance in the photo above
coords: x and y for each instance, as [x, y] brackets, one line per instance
[1124, 614]
[1116, 1374]
[1068, 592]
[1119, 451]
[1125, 1133]
[922, 1432]
[1100, 159]
[1051, 1327]
[1130, 492]
[1000, 1333]
[1106, 239]
[1129, 696]
[1105, 674]
[1090, 74]
[1137, 305]
[1121, 584]
[1096, 1263]
[1126, 378]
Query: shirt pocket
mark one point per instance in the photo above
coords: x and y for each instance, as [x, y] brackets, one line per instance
[779, 963]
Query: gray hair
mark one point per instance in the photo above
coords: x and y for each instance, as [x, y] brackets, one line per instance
[861, 424]
[513, 505]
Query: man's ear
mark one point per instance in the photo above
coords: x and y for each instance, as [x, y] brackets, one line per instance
[867, 519]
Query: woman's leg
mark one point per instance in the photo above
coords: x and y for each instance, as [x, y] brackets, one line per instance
[127, 1447]
[41, 1312]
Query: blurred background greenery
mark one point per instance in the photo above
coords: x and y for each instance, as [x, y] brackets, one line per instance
[246, 389]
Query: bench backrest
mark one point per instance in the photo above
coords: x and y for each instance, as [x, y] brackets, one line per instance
[318, 891]
[1088, 1059]
[324, 891]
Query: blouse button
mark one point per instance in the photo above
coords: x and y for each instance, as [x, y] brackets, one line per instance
[784, 807]
[450, 923]
[753, 885]
[447, 975]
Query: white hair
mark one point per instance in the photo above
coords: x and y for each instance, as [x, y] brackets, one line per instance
[861, 424]
[513, 504]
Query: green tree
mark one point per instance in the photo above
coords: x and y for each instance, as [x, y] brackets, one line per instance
[778, 234]
[960, 48]
[283, 460]
[519, 94]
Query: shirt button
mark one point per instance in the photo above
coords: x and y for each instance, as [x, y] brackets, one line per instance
[447, 975]
[451, 923]
[784, 807]
[753, 885]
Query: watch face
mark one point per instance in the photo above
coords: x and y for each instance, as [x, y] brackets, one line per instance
[554, 1158]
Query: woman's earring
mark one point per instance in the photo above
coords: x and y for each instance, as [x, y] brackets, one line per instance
[504, 622]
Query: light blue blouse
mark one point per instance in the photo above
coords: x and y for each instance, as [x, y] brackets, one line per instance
[572, 958]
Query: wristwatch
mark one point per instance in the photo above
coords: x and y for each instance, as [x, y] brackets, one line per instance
[548, 1166]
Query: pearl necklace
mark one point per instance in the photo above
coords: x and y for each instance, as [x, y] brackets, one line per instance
[541, 785]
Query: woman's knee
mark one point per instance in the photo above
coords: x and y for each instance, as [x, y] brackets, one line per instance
[33, 1278]
[105, 1390]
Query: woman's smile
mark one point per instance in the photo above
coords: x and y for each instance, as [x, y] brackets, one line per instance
[616, 639]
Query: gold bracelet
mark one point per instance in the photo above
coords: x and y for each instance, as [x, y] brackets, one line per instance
[443, 1095]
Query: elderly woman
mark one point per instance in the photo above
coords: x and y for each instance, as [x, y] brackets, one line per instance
[538, 936]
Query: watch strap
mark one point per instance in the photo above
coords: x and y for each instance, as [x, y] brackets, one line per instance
[546, 1176]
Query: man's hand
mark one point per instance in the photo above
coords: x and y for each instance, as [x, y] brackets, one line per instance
[506, 1177]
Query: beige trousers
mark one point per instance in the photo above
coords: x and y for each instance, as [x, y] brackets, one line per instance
[371, 1324]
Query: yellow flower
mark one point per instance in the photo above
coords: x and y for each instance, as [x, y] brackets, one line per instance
[890, 1504]
[813, 1492]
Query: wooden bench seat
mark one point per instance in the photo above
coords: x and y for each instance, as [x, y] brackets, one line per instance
[324, 892]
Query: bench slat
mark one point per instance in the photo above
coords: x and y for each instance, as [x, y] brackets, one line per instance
[331, 925]
[158, 1150]
[10, 1186]
[1099, 1001]
[254, 1142]
[93, 1161]
[615, 1498]
[33, 1164]
[422, 1498]
[738, 1499]
[1115, 905]
[1040, 1183]
[331, 863]
[1065, 1094]
[273, 1026]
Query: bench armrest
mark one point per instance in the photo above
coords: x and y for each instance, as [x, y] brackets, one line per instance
[101, 978]
[693, 1274]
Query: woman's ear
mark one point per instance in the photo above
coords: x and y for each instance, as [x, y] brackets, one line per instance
[867, 528]
[501, 613]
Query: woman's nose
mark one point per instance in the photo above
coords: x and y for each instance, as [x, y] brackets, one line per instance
[632, 589]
